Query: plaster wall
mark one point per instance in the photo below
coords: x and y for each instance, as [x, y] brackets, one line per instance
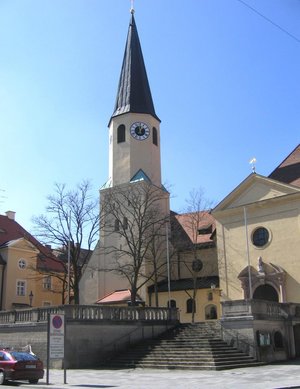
[282, 220]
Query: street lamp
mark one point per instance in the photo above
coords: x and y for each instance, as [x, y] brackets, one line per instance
[30, 298]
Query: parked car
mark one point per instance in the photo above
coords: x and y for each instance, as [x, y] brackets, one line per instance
[20, 366]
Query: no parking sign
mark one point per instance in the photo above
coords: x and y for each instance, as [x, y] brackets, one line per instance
[56, 336]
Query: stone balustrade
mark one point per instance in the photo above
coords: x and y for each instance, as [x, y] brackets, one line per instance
[90, 313]
[259, 309]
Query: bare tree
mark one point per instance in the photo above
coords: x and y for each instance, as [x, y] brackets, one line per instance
[137, 213]
[194, 226]
[72, 221]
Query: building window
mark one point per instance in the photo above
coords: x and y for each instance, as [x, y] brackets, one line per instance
[260, 237]
[125, 223]
[278, 340]
[46, 304]
[47, 282]
[117, 225]
[171, 304]
[22, 263]
[210, 296]
[189, 306]
[121, 133]
[21, 288]
[154, 136]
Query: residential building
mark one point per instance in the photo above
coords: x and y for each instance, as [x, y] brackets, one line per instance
[29, 272]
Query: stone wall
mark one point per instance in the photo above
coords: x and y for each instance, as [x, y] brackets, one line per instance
[93, 334]
[262, 329]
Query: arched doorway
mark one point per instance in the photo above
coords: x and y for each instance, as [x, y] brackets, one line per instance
[266, 292]
[211, 312]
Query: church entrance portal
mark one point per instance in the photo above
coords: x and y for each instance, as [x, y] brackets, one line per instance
[266, 292]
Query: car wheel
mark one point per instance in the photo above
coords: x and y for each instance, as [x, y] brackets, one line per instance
[35, 381]
[2, 379]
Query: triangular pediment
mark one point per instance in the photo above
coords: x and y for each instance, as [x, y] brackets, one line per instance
[21, 244]
[253, 189]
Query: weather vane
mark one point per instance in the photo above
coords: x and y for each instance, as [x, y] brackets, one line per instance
[252, 163]
[132, 7]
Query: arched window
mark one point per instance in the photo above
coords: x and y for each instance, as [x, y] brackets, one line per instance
[171, 304]
[189, 306]
[211, 312]
[154, 136]
[121, 133]
[278, 339]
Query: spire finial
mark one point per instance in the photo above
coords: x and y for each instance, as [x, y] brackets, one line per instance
[252, 163]
[132, 7]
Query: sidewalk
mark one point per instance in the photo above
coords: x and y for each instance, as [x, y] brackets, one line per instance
[276, 376]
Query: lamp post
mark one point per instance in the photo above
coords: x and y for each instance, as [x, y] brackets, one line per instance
[30, 298]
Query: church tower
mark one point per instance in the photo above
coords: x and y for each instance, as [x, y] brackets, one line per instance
[134, 162]
[134, 133]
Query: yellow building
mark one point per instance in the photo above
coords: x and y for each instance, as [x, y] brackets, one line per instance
[27, 269]
[258, 235]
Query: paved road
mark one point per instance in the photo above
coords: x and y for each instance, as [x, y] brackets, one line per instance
[276, 376]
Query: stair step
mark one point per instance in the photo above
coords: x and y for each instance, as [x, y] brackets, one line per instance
[194, 346]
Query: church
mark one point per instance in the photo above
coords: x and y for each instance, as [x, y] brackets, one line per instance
[238, 263]
[146, 254]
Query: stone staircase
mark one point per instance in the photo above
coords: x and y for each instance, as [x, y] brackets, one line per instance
[188, 346]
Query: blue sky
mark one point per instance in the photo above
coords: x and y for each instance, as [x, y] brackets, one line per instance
[224, 80]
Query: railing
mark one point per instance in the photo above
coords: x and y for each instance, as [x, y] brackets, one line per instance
[90, 312]
[259, 309]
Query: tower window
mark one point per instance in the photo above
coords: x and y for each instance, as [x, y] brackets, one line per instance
[117, 225]
[121, 133]
[154, 136]
[125, 223]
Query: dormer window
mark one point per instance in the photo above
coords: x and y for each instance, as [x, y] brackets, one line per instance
[205, 230]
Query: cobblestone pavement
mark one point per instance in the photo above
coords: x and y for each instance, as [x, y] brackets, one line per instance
[275, 376]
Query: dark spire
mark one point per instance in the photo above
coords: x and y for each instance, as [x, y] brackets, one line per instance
[134, 93]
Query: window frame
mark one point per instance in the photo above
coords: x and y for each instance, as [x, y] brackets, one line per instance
[21, 285]
[260, 237]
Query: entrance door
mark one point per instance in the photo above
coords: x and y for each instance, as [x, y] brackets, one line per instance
[266, 292]
[297, 340]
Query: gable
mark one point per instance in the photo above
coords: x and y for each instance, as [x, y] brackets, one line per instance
[21, 244]
[253, 189]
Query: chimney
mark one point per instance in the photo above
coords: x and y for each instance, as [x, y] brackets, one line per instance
[10, 215]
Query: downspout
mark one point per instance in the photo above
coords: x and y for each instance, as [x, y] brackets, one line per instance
[248, 255]
[2, 287]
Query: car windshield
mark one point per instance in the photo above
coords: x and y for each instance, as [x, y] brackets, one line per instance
[19, 356]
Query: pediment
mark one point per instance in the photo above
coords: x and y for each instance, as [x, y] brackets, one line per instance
[21, 244]
[253, 189]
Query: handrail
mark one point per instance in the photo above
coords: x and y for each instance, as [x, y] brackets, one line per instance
[90, 312]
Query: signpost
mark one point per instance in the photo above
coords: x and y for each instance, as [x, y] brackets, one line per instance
[56, 340]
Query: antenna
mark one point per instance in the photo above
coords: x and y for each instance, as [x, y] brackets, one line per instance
[252, 163]
[132, 7]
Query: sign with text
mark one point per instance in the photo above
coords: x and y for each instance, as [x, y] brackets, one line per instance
[56, 336]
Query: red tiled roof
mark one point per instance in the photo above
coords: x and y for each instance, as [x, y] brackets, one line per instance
[118, 296]
[197, 226]
[11, 230]
[289, 169]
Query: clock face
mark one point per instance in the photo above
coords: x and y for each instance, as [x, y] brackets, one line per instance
[139, 131]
